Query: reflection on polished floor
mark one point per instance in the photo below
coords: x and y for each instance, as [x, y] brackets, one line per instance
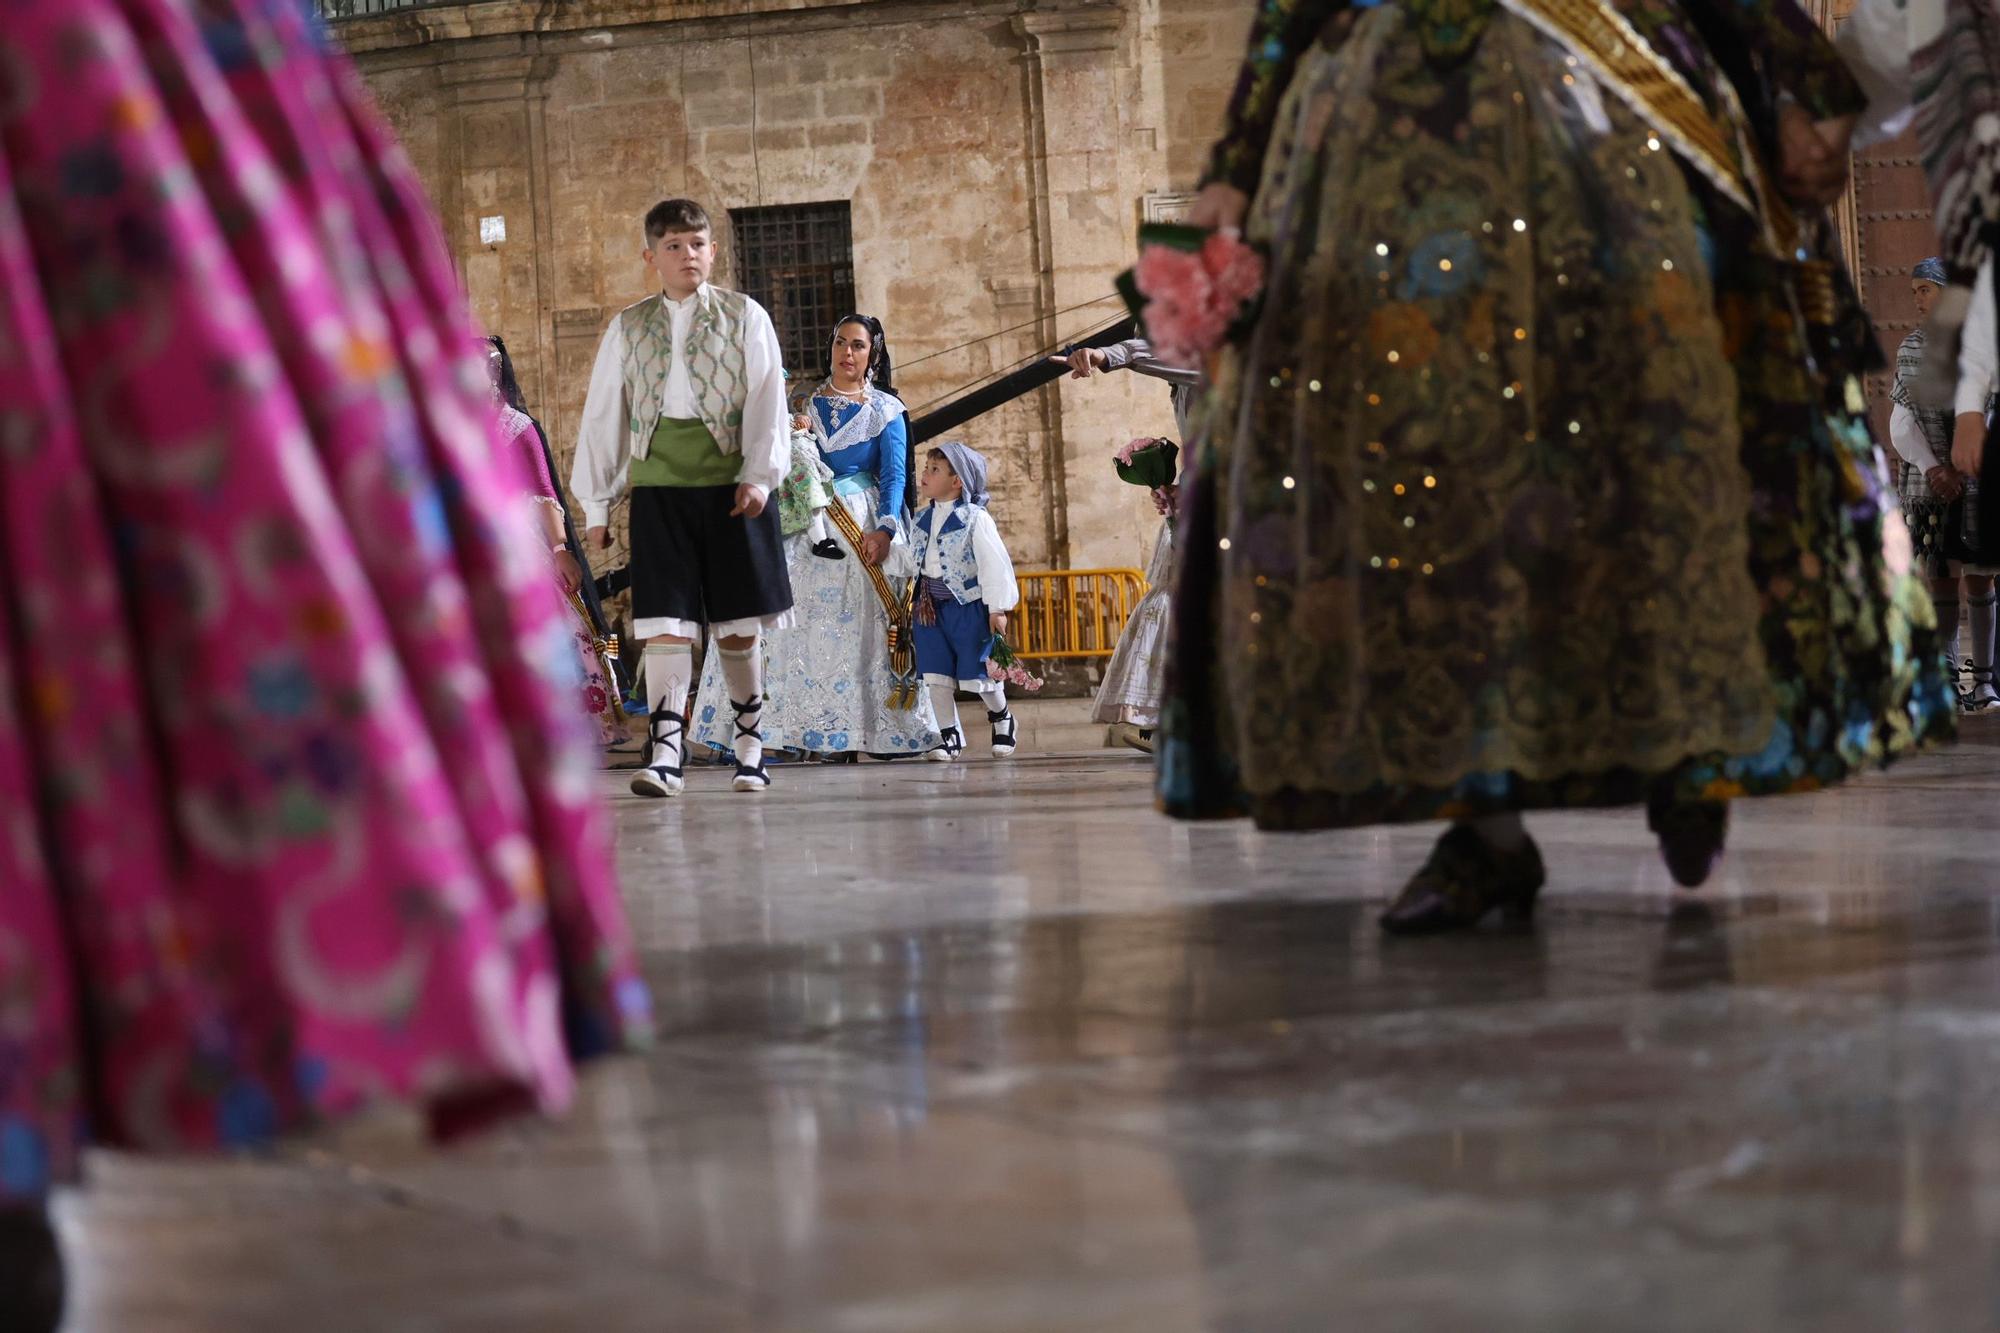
[984, 1047]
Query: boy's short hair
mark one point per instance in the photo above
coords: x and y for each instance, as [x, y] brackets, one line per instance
[672, 215]
[939, 453]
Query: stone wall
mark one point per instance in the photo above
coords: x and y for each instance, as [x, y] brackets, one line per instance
[996, 158]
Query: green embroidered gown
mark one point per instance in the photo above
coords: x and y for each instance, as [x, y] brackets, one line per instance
[1535, 489]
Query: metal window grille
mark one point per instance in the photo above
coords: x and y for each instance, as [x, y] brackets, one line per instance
[797, 261]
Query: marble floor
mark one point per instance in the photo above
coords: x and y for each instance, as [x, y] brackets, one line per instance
[990, 1047]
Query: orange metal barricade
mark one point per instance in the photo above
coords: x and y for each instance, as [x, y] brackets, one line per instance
[1073, 613]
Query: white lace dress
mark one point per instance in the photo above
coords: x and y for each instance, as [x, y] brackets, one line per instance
[826, 677]
[1135, 682]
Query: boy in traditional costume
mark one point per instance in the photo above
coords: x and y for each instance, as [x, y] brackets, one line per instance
[687, 406]
[967, 588]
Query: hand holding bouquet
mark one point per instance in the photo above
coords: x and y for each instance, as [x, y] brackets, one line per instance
[1002, 665]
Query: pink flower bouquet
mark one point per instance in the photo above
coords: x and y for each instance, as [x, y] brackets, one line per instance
[1192, 290]
[1002, 665]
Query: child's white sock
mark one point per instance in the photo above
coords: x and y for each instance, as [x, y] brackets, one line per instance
[743, 673]
[944, 702]
[668, 669]
[994, 696]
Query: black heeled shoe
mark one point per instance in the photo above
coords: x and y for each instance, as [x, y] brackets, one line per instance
[1464, 881]
[1692, 835]
[826, 548]
[31, 1272]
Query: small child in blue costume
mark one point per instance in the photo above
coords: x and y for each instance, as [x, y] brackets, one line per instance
[964, 594]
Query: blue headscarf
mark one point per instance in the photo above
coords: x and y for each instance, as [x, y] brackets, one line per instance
[1931, 270]
[969, 465]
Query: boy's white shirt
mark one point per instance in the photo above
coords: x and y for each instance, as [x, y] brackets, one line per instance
[603, 464]
[1906, 437]
[997, 586]
[1978, 349]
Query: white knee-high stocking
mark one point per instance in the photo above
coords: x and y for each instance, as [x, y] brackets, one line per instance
[669, 667]
[1982, 634]
[743, 673]
[944, 701]
[1947, 618]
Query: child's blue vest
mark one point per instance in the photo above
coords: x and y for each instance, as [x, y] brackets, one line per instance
[955, 556]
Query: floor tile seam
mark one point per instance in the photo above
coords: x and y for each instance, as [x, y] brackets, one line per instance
[384, 1188]
[914, 769]
[1028, 799]
[1764, 912]
[850, 1038]
[1349, 1162]
[975, 1105]
[1761, 929]
[985, 925]
[1758, 908]
[1601, 985]
[1602, 982]
[1776, 995]
[1131, 796]
[818, 1036]
[868, 1079]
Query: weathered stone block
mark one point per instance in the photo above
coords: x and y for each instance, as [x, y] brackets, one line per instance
[797, 106]
[725, 143]
[790, 139]
[839, 133]
[718, 110]
[640, 74]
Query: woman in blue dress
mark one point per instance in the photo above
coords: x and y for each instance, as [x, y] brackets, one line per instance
[828, 684]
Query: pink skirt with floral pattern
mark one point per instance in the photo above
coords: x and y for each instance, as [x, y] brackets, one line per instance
[293, 816]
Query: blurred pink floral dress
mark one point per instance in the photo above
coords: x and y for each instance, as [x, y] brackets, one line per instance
[295, 811]
[587, 684]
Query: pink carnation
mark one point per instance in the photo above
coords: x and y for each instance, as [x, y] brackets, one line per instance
[1018, 676]
[1235, 269]
[1192, 299]
[995, 670]
[1132, 447]
[1183, 335]
[1167, 274]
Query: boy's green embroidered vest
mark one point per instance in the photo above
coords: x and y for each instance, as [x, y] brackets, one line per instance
[714, 363]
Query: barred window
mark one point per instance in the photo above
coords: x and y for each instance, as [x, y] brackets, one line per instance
[797, 260]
